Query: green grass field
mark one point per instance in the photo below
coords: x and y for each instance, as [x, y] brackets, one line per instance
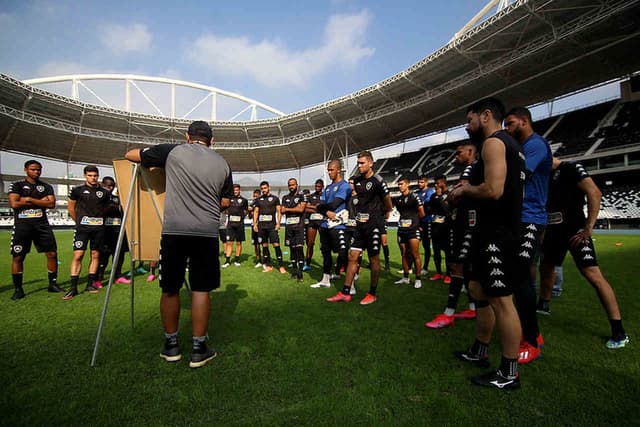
[286, 357]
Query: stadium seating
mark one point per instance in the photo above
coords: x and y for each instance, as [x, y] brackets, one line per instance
[620, 202]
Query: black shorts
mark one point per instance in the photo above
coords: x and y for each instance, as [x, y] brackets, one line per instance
[268, 236]
[459, 245]
[556, 244]
[333, 239]
[204, 264]
[294, 236]
[530, 244]
[110, 240]
[368, 235]
[41, 234]
[406, 234]
[235, 233]
[223, 235]
[84, 235]
[493, 262]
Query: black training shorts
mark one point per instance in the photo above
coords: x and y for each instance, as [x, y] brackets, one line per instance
[556, 245]
[202, 255]
[39, 233]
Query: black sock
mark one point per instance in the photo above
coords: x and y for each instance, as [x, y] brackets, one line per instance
[454, 291]
[308, 261]
[91, 279]
[385, 251]
[373, 289]
[266, 256]
[17, 280]
[237, 259]
[346, 289]
[479, 349]
[228, 260]
[509, 367]
[279, 255]
[617, 331]
[74, 283]
[53, 278]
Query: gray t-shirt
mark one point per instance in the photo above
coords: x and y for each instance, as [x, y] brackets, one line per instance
[197, 178]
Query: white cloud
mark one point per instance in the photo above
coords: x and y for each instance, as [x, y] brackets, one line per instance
[270, 63]
[123, 39]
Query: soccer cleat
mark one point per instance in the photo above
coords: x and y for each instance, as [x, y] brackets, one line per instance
[237, 264]
[123, 280]
[613, 343]
[18, 294]
[417, 284]
[467, 356]
[339, 297]
[543, 308]
[436, 276]
[282, 270]
[54, 288]
[266, 268]
[441, 321]
[69, 295]
[528, 353]
[447, 280]
[556, 292]
[91, 289]
[258, 265]
[368, 299]
[498, 380]
[142, 270]
[225, 265]
[97, 284]
[320, 285]
[424, 272]
[151, 278]
[170, 352]
[540, 340]
[465, 314]
[352, 291]
[306, 268]
[201, 354]
[403, 281]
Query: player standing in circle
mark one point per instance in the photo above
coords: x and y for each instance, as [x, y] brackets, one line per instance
[459, 245]
[424, 192]
[313, 220]
[569, 230]
[257, 247]
[293, 207]
[30, 200]
[411, 210]
[236, 212]
[374, 204]
[440, 228]
[266, 221]
[112, 222]
[87, 204]
[199, 185]
[494, 194]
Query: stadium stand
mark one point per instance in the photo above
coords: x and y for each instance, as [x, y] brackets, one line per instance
[625, 129]
[620, 202]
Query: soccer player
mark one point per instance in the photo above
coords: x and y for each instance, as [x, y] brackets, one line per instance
[30, 200]
[459, 245]
[87, 204]
[411, 210]
[440, 228]
[293, 207]
[569, 230]
[199, 185]
[257, 247]
[266, 221]
[494, 194]
[313, 220]
[235, 228]
[227, 246]
[335, 197]
[374, 205]
[537, 154]
[112, 222]
[425, 192]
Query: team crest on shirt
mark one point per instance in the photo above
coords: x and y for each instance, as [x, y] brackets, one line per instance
[270, 199]
[355, 202]
[17, 249]
[99, 194]
[296, 200]
[78, 244]
[40, 188]
[369, 185]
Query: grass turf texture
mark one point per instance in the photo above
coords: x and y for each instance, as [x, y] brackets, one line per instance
[287, 357]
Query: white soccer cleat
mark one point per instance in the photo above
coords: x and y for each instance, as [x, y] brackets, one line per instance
[352, 291]
[417, 284]
[320, 285]
[403, 281]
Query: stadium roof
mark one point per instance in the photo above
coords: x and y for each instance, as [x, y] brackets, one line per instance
[530, 51]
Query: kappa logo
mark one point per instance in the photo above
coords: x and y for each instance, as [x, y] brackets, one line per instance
[464, 251]
[496, 272]
[587, 256]
[17, 249]
[467, 236]
[585, 249]
[492, 248]
[40, 188]
[494, 260]
[369, 185]
[86, 192]
[78, 244]
[530, 236]
[466, 244]
[527, 245]
[532, 227]
[525, 254]
[498, 284]
[375, 248]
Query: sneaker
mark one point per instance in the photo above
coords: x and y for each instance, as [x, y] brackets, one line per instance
[266, 268]
[123, 280]
[368, 299]
[282, 270]
[540, 340]
[339, 297]
[496, 379]
[54, 288]
[18, 294]
[436, 276]
[528, 353]
[543, 309]
[613, 343]
[225, 265]
[447, 280]
[236, 263]
[556, 292]
[320, 285]
[467, 356]
[200, 355]
[424, 272]
[91, 289]
[97, 284]
[352, 291]
[403, 281]
[465, 314]
[441, 321]
[258, 265]
[306, 268]
[151, 278]
[142, 270]
[417, 284]
[170, 352]
[69, 295]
